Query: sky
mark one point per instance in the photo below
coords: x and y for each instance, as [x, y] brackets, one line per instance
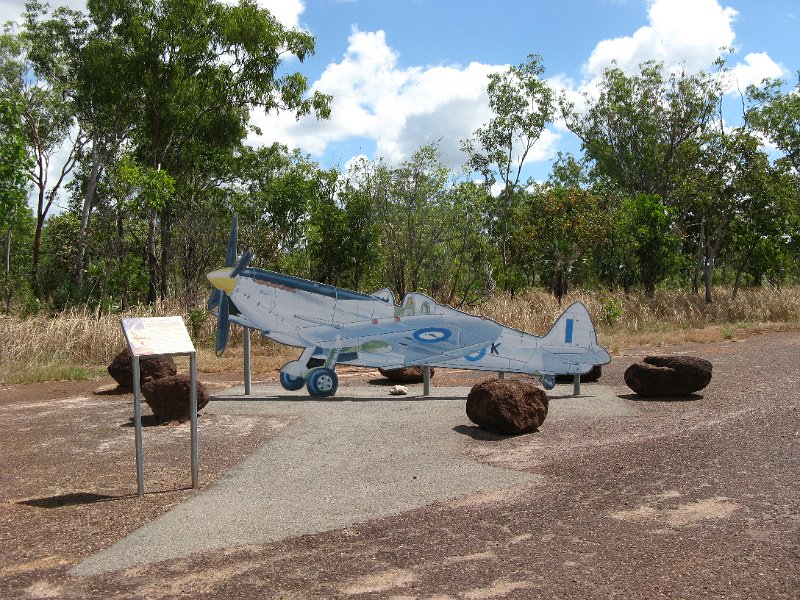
[404, 73]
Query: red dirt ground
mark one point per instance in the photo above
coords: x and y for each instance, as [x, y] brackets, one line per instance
[687, 499]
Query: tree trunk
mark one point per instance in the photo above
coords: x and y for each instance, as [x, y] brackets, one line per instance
[166, 253]
[88, 201]
[698, 259]
[152, 265]
[8, 271]
[37, 251]
[118, 249]
[709, 276]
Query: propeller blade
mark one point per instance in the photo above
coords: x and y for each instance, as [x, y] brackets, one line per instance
[223, 325]
[233, 241]
[243, 262]
[215, 298]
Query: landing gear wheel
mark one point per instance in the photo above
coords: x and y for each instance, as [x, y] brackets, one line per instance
[322, 382]
[291, 383]
[548, 381]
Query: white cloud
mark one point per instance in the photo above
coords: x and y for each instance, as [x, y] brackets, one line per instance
[689, 32]
[400, 109]
[286, 11]
[756, 67]
[681, 33]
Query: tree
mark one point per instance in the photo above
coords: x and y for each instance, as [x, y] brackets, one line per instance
[463, 272]
[409, 204]
[199, 66]
[86, 59]
[776, 114]
[558, 230]
[14, 162]
[648, 246]
[523, 105]
[726, 183]
[48, 116]
[14, 165]
[634, 132]
[273, 192]
[764, 219]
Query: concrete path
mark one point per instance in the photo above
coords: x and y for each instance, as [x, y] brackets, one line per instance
[343, 461]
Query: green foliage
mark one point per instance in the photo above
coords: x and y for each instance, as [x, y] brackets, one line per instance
[14, 163]
[557, 231]
[463, 271]
[522, 105]
[634, 131]
[612, 309]
[776, 114]
[197, 319]
[58, 250]
[142, 185]
[155, 98]
[343, 233]
[646, 242]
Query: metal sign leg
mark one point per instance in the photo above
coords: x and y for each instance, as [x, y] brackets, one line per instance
[193, 416]
[576, 385]
[247, 378]
[137, 422]
[426, 381]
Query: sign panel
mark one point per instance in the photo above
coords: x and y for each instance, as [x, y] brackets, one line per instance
[157, 335]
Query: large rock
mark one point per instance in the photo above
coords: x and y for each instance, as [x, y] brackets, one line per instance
[169, 397]
[404, 374]
[150, 367]
[507, 406]
[593, 375]
[668, 376]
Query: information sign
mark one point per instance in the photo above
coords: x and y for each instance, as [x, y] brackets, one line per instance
[148, 336]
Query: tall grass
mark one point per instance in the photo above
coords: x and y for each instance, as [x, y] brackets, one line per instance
[669, 316]
[78, 343]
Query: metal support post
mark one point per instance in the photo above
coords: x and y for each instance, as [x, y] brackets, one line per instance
[137, 423]
[247, 378]
[426, 381]
[501, 375]
[576, 385]
[193, 414]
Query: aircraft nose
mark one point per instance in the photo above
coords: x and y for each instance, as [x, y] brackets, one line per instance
[222, 280]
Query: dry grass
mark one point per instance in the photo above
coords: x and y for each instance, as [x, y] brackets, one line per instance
[77, 344]
[669, 317]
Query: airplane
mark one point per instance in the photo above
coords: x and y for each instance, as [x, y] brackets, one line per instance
[339, 326]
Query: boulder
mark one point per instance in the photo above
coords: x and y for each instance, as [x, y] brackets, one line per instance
[404, 374]
[668, 376]
[169, 397]
[150, 367]
[593, 375]
[507, 406]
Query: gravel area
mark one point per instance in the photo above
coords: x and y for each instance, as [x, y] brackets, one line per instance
[629, 498]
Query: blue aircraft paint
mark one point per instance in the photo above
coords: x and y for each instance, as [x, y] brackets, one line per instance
[432, 335]
[295, 283]
[476, 356]
[568, 332]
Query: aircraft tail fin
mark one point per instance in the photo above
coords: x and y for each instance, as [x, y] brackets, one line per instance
[573, 330]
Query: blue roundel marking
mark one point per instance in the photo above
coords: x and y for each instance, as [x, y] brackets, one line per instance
[476, 356]
[431, 335]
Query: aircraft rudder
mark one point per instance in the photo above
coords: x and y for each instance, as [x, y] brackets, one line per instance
[573, 327]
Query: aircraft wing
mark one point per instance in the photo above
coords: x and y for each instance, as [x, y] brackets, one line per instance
[415, 340]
